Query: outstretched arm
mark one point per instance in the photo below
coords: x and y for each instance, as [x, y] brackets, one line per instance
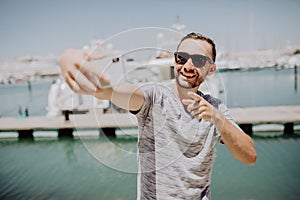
[239, 143]
[77, 76]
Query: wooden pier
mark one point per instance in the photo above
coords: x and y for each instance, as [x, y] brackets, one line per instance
[286, 115]
[65, 124]
[107, 123]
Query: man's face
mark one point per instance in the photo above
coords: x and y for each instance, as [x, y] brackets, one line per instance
[187, 75]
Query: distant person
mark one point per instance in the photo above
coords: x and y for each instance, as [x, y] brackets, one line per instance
[26, 112]
[178, 125]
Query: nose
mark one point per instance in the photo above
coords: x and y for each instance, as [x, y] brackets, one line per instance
[188, 66]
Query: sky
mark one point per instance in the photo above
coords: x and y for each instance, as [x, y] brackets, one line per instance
[48, 27]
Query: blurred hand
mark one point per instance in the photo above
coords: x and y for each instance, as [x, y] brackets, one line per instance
[80, 79]
[199, 107]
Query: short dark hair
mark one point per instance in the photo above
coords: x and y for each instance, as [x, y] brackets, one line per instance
[198, 36]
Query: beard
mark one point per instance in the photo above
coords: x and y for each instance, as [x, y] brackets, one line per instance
[185, 84]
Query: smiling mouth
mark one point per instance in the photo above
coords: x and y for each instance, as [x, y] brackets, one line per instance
[188, 76]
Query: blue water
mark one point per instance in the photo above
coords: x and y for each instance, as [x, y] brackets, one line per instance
[275, 175]
[54, 169]
[19, 95]
[64, 169]
[266, 87]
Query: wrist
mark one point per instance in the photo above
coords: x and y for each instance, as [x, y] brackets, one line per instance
[103, 94]
[218, 119]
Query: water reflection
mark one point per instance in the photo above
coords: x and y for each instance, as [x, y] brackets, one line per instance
[69, 149]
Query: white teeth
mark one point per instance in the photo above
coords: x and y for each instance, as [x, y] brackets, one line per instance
[188, 75]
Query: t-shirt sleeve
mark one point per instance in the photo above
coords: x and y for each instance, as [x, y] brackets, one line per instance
[149, 93]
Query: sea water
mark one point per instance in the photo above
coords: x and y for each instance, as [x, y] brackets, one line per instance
[52, 168]
[65, 169]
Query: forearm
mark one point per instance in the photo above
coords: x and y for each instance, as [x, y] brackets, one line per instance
[239, 143]
[126, 96]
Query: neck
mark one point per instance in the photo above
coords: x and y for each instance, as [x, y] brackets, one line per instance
[182, 92]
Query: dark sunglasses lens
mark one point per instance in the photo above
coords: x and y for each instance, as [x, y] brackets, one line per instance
[180, 58]
[198, 60]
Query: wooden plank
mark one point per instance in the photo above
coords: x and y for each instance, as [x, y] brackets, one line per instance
[76, 121]
[265, 115]
[251, 115]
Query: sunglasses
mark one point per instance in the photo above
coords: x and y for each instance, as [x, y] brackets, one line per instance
[198, 60]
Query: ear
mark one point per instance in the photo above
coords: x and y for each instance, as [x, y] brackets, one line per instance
[212, 69]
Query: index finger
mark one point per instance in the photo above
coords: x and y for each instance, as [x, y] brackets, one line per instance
[194, 96]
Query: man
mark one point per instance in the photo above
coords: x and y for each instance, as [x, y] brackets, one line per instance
[178, 124]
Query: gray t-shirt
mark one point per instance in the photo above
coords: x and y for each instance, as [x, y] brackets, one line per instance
[175, 150]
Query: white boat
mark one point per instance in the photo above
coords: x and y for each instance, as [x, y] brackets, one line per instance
[62, 98]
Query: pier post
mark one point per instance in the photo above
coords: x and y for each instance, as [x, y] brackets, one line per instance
[25, 134]
[66, 113]
[109, 132]
[65, 132]
[247, 128]
[288, 128]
